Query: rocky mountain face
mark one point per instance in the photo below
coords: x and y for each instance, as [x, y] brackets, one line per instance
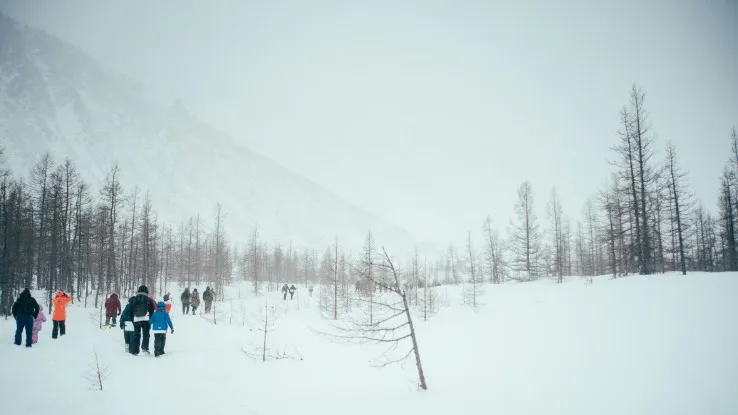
[55, 98]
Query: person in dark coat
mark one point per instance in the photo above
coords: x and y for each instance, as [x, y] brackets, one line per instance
[142, 307]
[285, 289]
[292, 291]
[208, 296]
[126, 324]
[112, 308]
[25, 310]
[185, 298]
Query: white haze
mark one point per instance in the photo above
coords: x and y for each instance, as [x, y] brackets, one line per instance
[430, 113]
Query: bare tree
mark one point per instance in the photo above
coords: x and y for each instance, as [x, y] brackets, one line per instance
[429, 302]
[266, 325]
[97, 373]
[473, 288]
[609, 204]
[524, 237]
[254, 259]
[492, 252]
[452, 264]
[393, 325]
[555, 216]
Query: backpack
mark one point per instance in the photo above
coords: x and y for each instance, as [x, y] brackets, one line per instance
[141, 307]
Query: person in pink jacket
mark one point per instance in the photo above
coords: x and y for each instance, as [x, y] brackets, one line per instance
[37, 323]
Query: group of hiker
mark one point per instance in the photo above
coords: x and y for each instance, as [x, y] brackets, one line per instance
[291, 290]
[29, 316]
[192, 299]
[142, 316]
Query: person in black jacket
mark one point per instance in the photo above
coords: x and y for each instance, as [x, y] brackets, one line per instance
[208, 296]
[25, 310]
[292, 291]
[185, 298]
[142, 307]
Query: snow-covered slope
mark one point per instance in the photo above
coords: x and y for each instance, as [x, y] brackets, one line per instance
[55, 98]
[661, 344]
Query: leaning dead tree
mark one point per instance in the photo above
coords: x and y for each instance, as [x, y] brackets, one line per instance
[391, 323]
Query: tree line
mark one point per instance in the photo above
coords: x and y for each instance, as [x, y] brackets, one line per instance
[644, 220]
[57, 232]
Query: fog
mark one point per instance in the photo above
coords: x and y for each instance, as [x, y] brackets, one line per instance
[431, 113]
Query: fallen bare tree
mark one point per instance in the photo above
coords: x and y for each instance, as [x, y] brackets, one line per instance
[390, 322]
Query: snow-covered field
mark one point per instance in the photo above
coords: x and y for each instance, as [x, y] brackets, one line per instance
[663, 344]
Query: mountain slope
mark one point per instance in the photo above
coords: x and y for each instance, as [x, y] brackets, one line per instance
[55, 98]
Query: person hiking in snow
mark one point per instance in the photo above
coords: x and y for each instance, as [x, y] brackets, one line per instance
[168, 301]
[285, 289]
[185, 298]
[310, 290]
[112, 308]
[126, 324]
[142, 307]
[38, 323]
[59, 316]
[25, 310]
[292, 291]
[357, 285]
[194, 300]
[159, 322]
[208, 296]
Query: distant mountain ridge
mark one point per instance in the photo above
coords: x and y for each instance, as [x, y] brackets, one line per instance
[56, 98]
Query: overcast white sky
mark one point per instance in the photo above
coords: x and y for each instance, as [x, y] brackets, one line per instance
[430, 113]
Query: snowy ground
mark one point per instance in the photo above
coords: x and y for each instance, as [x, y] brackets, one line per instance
[638, 345]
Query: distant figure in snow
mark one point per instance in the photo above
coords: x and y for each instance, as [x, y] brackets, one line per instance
[25, 310]
[142, 307]
[357, 285]
[168, 301]
[112, 308]
[208, 296]
[59, 316]
[160, 321]
[126, 324]
[310, 290]
[285, 290]
[292, 291]
[38, 322]
[185, 298]
[194, 300]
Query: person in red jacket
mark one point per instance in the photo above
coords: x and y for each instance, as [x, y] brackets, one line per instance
[112, 308]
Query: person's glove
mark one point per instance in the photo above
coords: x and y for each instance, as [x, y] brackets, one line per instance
[122, 326]
[172, 330]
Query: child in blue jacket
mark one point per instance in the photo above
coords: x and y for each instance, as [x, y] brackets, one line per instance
[160, 322]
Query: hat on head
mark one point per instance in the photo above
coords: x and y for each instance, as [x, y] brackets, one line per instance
[160, 305]
[143, 289]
